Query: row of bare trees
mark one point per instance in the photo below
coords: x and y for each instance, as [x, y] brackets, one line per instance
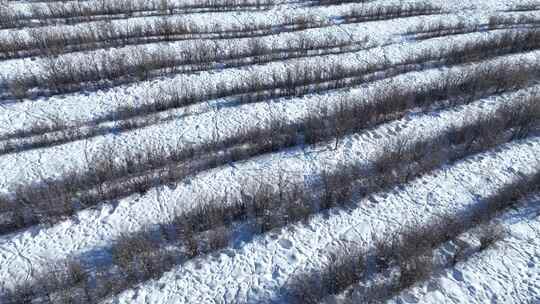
[49, 40]
[210, 225]
[407, 256]
[71, 12]
[111, 177]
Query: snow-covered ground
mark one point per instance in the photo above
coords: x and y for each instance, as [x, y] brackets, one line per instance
[261, 268]
[257, 271]
[29, 251]
[84, 107]
[507, 273]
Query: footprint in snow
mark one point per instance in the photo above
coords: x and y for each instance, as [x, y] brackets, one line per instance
[285, 243]
[276, 273]
[376, 135]
[258, 268]
[458, 276]
[198, 265]
[228, 252]
[292, 258]
[373, 200]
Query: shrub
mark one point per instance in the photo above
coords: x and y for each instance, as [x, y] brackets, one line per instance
[110, 176]
[341, 271]
[489, 234]
[218, 238]
[414, 269]
[64, 282]
[409, 250]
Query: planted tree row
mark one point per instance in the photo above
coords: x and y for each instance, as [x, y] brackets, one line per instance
[407, 256]
[71, 12]
[336, 2]
[41, 135]
[69, 74]
[98, 70]
[299, 78]
[524, 7]
[426, 31]
[207, 228]
[51, 41]
[110, 178]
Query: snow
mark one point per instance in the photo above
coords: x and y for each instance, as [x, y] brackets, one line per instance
[77, 108]
[257, 270]
[506, 273]
[29, 251]
[23, 167]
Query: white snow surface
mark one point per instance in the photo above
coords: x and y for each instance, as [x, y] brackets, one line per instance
[256, 272]
[506, 273]
[26, 253]
[28, 167]
[86, 106]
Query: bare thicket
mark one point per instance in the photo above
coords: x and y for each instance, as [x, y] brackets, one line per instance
[404, 257]
[45, 41]
[72, 12]
[111, 177]
[441, 28]
[204, 229]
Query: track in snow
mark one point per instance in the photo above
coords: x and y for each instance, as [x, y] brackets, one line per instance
[260, 152]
